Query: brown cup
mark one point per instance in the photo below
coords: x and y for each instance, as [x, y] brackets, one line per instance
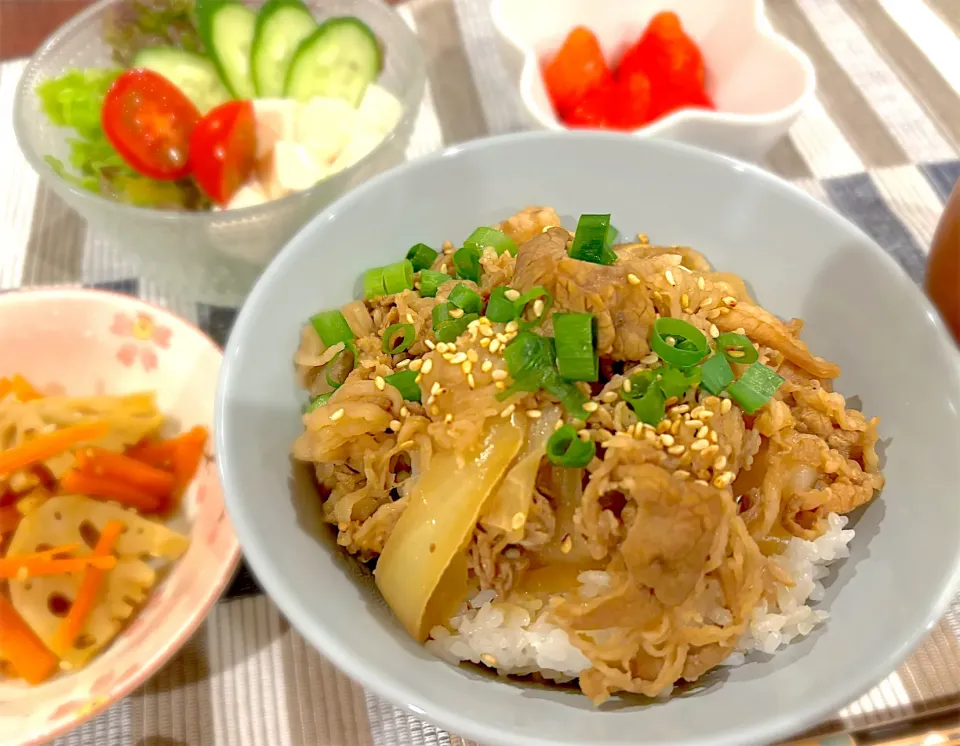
[943, 270]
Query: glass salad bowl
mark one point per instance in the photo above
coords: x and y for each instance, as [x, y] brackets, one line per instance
[213, 256]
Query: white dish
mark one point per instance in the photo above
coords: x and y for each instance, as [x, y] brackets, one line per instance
[759, 81]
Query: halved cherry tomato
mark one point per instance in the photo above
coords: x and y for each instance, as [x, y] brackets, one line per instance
[149, 122]
[577, 69]
[595, 110]
[223, 149]
[632, 102]
[664, 51]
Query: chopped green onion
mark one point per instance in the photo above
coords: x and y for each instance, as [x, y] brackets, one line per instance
[571, 397]
[469, 301]
[441, 313]
[715, 374]
[340, 370]
[575, 337]
[391, 345]
[500, 308]
[332, 328]
[398, 277]
[532, 296]
[529, 359]
[593, 240]
[677, 382]
[373, 286]
[406, 383]
[689, 345]
[318, 401]
[737, 348]
[422, 256]
[565, 449]
[448, 331]
[430, 282]
[483, 237]
[755, 387]
[651, 406]
[467, 263]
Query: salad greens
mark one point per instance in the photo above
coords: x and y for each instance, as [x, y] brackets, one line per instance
[139, 24]
[74, 100]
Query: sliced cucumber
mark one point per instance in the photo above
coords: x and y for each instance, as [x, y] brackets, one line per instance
[338, 60]
[281, 26]
[226, 28]
[196, 76]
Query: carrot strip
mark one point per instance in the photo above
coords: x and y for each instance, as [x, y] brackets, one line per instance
[115, 466]
[161, 454]
[22, 648]
[5, 387]
[87, 594]
[44, 446]
[9, 519]
[79, 483]
[187, 457]
[11, 567]
[23, 389]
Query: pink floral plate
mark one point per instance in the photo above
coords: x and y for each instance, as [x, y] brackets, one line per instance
[87, 342]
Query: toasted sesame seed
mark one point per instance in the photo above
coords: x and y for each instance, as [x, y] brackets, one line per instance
[380, 383]
[419, 377]
[714, 314]
[671, 401]
[721, 463]
[712, 451]
[336, 415]
[711, 401]
[538, 307]
[633, 279]
[584, 434]
[627, 386]
[495, 345]
[430, 345]
[407, 444]
[650, 358]
[403, 364]
[740, 330]
[566, 544]
[471, 381]
[610, 397]
[680, 409]
[499, 375]
[667, 440]
[489, 660]
[486, 331]
[672, 341]
[681, 474]
[669, 275]
[706, 414]
[410, 319]
[649, 436]
[516, 523]
[485, 342]
[443, 347]
[486, 366]
[472, 356]
[416, 365]
[701, 284]
[724, 311]
[677, 449]
[395, 425]
[591, 406]
[404, 412]
[435, 410]
[729, 301]
[500, 385]
[675, 427]
[714, 437]
[706, 302]
[427, 366]
[512, 326]
[663, 426]
[448, 418]
[458, 358]
[502, 338]
[534, 414]
[684, 300]
[466, 367]
[692, 423]
[456, 313]
[714, 332]
[699, 445]
[723, 480]
[701, 482]
[508, 411]
[436, 388]
[511, 294]
[703, 431]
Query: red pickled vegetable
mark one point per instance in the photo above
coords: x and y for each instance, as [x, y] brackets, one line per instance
[595, 110]
[577, 70]
[632, 101]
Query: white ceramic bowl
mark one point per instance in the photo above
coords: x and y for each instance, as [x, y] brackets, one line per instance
[759, 81]
[799, 258]
[213, 256]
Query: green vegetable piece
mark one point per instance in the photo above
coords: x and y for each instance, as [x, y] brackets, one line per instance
[689, 344]
[466, 299]
[593, 240]
[422, 256]
[677, 382]
[430, 282]
[406, 383]
[715, 374]
[564, 448]
[317, 401]
[391, 345]
[575, 338]
[483, 237]
[466, 261]
[755, 387]
[332, 328]
[501, 309]
[737, 348]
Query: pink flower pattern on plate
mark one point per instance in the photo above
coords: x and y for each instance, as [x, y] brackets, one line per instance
[145, 333]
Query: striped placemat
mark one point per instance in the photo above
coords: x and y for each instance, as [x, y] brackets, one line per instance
[880, 144]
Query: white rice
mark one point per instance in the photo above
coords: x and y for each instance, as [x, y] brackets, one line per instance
[517, 640]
